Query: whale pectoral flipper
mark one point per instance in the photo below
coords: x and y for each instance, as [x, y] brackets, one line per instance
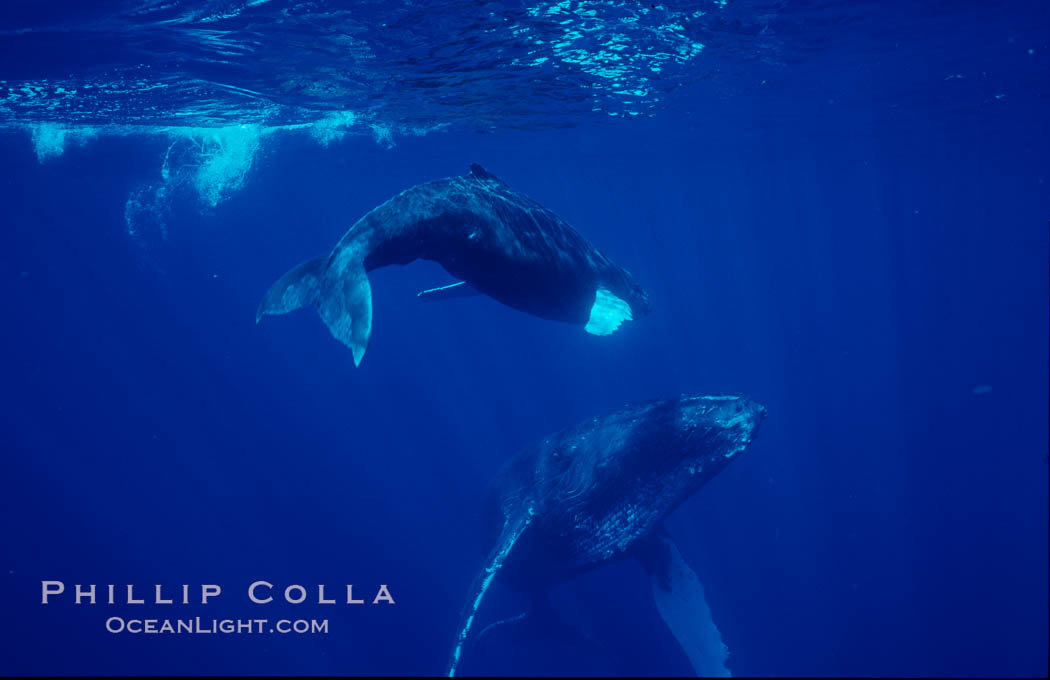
[453, 290]
[679, 597]
[512, 531]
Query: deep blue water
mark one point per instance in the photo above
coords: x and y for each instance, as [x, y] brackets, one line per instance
[839, 210]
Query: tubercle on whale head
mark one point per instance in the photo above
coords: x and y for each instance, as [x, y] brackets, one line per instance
[735, 421]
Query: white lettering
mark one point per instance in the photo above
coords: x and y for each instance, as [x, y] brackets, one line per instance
[132, 600]
[251, 592]
[51, 588]
[81, 593]
[161, 600]
[288, 594]
[209, 591]
[383, 594]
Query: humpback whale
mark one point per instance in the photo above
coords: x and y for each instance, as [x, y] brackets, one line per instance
[495, 240]
[600, 491]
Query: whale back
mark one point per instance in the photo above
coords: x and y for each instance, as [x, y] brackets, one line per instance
[504, 244]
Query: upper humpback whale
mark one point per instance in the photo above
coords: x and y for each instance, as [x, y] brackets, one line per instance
[600, 491]
[495, 240]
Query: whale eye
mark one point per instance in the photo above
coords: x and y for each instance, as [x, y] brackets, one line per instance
[739, 407]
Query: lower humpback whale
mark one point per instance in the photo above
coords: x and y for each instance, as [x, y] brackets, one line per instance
[600, 491]
[495, 240]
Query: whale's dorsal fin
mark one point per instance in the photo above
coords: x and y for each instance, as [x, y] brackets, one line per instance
[478, 172]
[512, 531]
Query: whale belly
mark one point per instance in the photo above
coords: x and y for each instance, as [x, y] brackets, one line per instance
[549, 293]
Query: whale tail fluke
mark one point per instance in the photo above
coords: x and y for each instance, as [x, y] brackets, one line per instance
[344, 302]
[298, 288]
[346, 307]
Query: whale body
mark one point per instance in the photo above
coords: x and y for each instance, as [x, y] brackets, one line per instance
[495, 240]
[600, 491]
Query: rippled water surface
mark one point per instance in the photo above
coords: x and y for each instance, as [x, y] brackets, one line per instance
[484, 65]
[405, 65]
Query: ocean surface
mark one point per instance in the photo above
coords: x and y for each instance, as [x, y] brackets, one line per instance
[839, 209]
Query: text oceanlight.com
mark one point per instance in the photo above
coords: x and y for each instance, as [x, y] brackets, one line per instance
[197, 626]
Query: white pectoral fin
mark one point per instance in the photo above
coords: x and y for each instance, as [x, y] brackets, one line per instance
[679, 597]
[512, 531]
[607, 313]
[453, 290]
